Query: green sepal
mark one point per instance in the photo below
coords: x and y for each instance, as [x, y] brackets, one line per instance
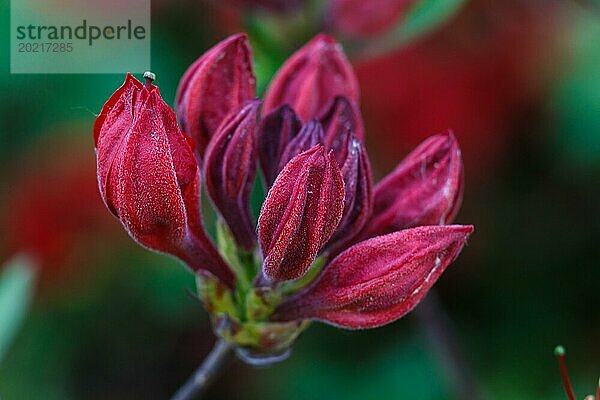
[261, 337]
[261, 302]
[240, 261]
[215, 296]
[291, 287]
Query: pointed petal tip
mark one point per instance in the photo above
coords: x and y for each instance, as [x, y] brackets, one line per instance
[448, 132]
[239, 36]
[252, 105]
[324, 38]
[467, 229]
[451, 137]
[445, 137]
[331, 155]
[317, 148]
[234, 39]
[449, 140]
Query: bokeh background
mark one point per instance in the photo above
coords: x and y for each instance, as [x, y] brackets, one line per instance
[91, 315]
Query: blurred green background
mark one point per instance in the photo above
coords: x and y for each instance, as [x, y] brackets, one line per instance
[518, 81]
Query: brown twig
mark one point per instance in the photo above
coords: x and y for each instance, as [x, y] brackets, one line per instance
[212, 365]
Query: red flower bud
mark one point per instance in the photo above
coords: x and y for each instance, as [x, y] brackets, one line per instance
[379, 280]
[149, 179]
[300, 213]
[358, 202]
[341, 116]
[218, 83]
[275, 132]
[309, 136]
[425, 188]
[229, 170]
[358, 18]
[311, 78]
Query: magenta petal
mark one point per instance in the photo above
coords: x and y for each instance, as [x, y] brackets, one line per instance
[379, 280]
[425, 188]
[311, 78]
[148, 177]
[216, 84]
[300, 213]
[230, 169]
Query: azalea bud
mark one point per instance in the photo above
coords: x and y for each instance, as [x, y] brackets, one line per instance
[230, 168]
[379, 280]
[358, 18]
[425, 188]
[149, 179]
[311, 78]
[341, 116]
[358, 201]
[300, 213]
[309, 136]
[219, 82]
[275, 132]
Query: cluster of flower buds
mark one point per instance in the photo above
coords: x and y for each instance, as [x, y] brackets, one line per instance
[327, 244]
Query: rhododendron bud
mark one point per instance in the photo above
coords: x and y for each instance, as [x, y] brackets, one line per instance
[149, 179]
[311, 78]
[359, 18]
[425, 188]
[300, 213]
[341, 116]
[230, 168]
[379, 280]
[309, 136]
[358, 202]
[219, 82]
[275, 132]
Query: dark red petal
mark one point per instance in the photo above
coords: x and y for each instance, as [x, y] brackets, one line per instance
[358, 203]
[311, 78]
[230, 169]
[275, 132]
[301, 212]
[218, 83]
[425, 188]
[341, 116]
[379, 280]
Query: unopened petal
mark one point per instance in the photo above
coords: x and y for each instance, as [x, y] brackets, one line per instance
[379, 280]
